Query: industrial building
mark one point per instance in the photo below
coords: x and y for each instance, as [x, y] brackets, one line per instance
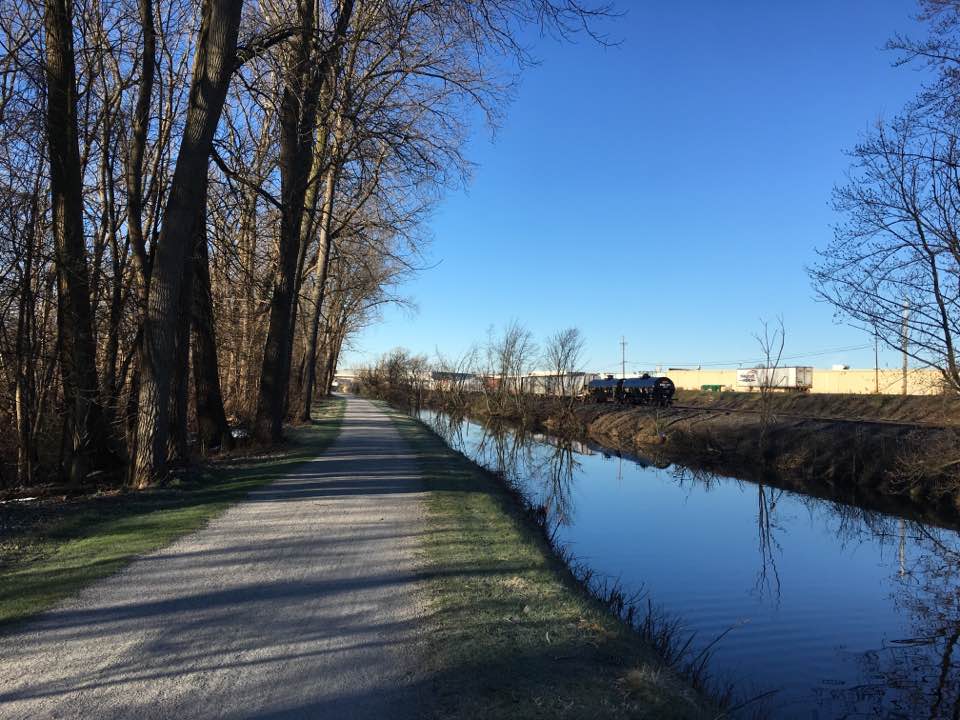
[824, 380]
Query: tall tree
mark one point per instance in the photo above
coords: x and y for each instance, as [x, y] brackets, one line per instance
[308, 68]
[214, 63]
[86, 439]
[212, 428]
[898, 248]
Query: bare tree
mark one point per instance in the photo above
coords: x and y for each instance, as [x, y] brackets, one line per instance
[771, 339]
[309, 65]
[212, 428]
[85, 424]
[213, 66]
[135, 265]
[563, 354]
[397, 376]
[457, 376]
[511, 355]
[940, 52]
[898, 245]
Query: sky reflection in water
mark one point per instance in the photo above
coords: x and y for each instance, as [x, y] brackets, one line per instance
[847, 612]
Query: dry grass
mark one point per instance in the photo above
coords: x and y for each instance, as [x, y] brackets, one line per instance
[926, 409]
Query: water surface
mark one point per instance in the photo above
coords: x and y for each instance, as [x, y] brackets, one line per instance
[846, 613]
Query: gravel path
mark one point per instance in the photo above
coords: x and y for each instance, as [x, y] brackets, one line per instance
[299, 602]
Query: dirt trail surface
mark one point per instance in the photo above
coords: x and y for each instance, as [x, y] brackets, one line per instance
[299, 602]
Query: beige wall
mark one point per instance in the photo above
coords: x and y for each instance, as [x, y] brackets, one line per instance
[919, 382]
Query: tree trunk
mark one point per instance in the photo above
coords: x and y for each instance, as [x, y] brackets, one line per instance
[295, 163]
[212, 428]
[298, 120]
[87, 442]
[138, 142]
[178, 446]
[306, 232]
[332, 358]
[213, 65]
[24, 391]
[244, 368]
[320, 280]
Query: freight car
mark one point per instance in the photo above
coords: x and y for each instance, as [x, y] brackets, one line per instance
[644, 390]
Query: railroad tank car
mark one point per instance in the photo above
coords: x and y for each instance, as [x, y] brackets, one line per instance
[648, 390]
[644, 390]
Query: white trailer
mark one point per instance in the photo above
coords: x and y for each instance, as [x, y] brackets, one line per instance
[799, 379]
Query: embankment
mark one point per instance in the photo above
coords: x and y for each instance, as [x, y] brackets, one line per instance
[513, 632]
[895, 454]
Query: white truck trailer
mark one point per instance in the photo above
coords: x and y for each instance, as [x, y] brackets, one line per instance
[795, 379]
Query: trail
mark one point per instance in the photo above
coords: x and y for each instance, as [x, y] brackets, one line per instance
[300, 601]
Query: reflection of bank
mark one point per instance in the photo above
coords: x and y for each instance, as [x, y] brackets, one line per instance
[644, 461]
[576, 446]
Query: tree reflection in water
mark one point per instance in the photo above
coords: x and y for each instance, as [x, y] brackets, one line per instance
[917, 676]
[767, 584]
[768, 579]
[541, 466]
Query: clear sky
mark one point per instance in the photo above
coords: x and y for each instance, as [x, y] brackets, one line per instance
[670, 189]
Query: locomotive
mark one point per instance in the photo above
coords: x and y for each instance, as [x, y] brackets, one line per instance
[644, 390]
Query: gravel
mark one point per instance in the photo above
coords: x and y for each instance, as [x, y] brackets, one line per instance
[302, 601]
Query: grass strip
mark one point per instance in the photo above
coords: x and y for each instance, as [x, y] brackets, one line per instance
[102, 535]
[511, 633]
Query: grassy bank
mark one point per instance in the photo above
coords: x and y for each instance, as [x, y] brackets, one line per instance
[50, 550]
[512, 634]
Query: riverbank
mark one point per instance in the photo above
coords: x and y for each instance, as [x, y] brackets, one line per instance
[894, 454]
[843, 587]
[512, 633]
[50, 548]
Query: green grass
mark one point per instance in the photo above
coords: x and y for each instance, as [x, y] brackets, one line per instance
[511, 634]
[101, 535]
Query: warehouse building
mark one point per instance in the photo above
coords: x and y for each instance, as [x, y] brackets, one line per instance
[837, 381]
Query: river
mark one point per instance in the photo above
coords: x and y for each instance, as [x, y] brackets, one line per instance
[844, 612]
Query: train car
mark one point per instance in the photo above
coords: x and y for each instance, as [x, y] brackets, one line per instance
[648, 390]
[645, 390]
[607, 389]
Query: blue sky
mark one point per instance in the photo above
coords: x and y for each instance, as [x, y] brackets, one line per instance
[670, 189]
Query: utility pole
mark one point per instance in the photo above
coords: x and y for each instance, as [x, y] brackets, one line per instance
[623, 357]
[876, 360]
[905, 340]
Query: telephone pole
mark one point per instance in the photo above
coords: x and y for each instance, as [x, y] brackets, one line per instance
[876, 360]
[905, 340]
[623, 357]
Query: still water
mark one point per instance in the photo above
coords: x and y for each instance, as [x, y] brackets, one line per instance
[846, 613]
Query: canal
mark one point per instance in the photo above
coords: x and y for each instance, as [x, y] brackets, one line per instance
[844, 612]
